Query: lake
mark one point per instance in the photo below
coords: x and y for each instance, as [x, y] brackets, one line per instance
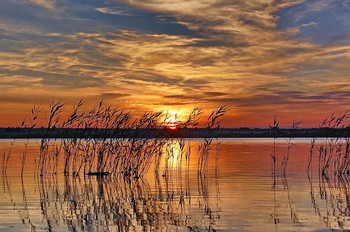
[237, 190]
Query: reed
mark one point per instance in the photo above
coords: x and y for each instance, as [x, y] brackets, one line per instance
[290, 144]
[215, 117]
[217, 157]
[213, 122]
[6, 157]
[104, 149]
[203, 155]
[274, 127]
[289, 141]
[333, 151]
[32, 117]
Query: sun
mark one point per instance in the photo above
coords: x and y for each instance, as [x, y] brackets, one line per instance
[172, 125]
[173, 120]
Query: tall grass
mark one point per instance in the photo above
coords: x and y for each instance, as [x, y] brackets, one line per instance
[32, 119]
[331, 155]
[102, 149]
[213, 122]
[333, 151]
[274, 127]
[289, 141]
[290, 144]
[6, 157]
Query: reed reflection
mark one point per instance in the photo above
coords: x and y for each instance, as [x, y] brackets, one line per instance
[175, 196]
[332, 200]
[329, 160]
[126, 204]
[280, 186]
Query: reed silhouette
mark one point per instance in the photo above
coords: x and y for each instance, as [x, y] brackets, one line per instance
[104, 184]
[333, 151]
[331, 200]
[101, 153]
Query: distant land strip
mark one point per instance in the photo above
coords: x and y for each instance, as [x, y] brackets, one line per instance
[17, 133]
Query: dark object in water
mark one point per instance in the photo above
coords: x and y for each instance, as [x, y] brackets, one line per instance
[98, 174]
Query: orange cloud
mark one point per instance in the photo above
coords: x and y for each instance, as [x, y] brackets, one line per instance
[237, 57]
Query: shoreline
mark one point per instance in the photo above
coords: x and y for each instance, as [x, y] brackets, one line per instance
[89, 133]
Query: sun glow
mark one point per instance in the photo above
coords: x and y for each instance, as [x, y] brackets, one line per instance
[172, 120]
[173, 154]
[173, 125]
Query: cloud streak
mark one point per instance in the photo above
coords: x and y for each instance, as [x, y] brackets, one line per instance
[218, 52]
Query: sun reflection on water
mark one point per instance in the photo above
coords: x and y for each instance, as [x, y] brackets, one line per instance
[176, 200]
[174, 154]
[242, 196]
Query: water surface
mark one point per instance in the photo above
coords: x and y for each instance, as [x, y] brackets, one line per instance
[240, 193]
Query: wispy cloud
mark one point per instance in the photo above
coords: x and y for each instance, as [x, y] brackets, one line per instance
[309, 24]
[115, 11]
[113, 95]
[220, 52]
[50, 4]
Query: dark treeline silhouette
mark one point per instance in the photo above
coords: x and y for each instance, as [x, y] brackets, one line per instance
[171, 133]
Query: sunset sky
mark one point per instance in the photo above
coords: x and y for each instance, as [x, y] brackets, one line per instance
[260, 57]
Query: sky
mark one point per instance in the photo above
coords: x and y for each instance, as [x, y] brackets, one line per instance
[262, 58]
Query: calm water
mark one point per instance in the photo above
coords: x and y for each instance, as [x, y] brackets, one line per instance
[241, 193]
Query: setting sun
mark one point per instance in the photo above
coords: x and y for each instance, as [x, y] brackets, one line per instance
[172, 120]
[175, 115]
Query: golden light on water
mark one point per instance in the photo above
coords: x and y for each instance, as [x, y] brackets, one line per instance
[173, 154]
[240, 192]
[260, 58]
[173, 119]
